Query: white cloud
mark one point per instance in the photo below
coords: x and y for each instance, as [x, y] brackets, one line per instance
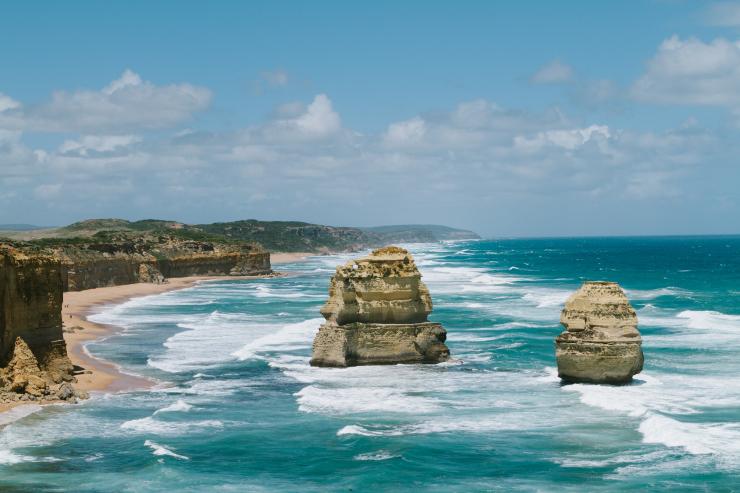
[553, 73]
[127, 79]
[570, 139]
[407, 132]
[317, 121]
[97, 143]
[128, 102]
[692, 72]
[302, 160]
[474, 114]
[7, 103]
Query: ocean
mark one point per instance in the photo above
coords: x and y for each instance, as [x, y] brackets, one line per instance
[237, 408]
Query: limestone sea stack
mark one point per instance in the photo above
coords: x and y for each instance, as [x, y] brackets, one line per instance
[600, 343]
[377, 314]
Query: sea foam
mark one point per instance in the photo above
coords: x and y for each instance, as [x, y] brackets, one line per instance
[160, 450]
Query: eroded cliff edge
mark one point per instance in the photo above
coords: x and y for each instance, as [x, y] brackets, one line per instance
[601, 343]
[34, 365]
[377, 314]
[116, 258]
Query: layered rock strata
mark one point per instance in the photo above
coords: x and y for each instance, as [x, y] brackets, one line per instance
[601, 343]
[34, 365]
[377, 314]
[96, 265]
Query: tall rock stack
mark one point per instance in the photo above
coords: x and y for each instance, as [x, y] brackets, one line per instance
[600, 343]
[377, 314]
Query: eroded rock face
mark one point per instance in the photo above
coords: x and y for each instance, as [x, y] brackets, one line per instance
[33, 357]
[377, 314]
[153, 259]
[149, 273]
[600, 343]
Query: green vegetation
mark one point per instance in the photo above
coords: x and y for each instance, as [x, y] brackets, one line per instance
[276, 236]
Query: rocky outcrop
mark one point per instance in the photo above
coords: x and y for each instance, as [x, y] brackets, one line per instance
[600, 343]
[150, 274]
[377, 314]
[34, 365]
[126, 261]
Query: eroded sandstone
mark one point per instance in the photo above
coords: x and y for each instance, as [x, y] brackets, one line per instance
[601, 343]
[122, 259]
[377, 314]
[34, 365]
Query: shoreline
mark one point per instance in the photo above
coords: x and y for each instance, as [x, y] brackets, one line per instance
[99, 375]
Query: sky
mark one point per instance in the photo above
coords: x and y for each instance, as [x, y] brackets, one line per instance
[518, 118]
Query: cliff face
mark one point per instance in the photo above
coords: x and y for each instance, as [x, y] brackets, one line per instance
[377, 314]
[33, 357]
[601, 343]
[95, 265]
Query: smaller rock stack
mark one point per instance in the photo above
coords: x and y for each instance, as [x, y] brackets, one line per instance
[377, 314]
[600, 343]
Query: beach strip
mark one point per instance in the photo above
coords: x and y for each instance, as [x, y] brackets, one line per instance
[96, 374]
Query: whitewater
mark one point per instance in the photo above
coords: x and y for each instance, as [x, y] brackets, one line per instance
[236, 407]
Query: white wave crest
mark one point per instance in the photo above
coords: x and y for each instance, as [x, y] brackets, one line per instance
[159, 450]
[288, 338]
[374, 456]
[179, 406]
[156, 427]
[362, 400]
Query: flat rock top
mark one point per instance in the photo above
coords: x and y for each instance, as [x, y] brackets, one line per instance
[390, 261]
[600, 310]
[384, 287]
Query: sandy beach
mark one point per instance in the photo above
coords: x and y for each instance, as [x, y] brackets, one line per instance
[99, 375]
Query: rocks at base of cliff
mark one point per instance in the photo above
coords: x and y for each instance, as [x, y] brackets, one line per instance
[34, 365]
[601, 343]
[377, 314]
[25, 379]
[149, 273]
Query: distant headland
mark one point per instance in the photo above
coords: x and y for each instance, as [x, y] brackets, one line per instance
[275, 236]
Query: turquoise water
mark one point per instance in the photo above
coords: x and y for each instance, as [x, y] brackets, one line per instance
[237, 407]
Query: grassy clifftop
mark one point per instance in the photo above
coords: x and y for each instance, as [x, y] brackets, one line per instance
[278, 236]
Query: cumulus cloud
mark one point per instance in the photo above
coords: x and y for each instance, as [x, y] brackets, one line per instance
[302, 159]
[7, 103]
[317, 121]
[554, 72]
[692, 71]
[127, 102]
[407, 132]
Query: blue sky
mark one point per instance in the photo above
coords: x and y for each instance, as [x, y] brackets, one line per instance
[510, 118]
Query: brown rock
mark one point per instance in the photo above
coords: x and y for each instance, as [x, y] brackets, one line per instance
[601, 343]
[377, 314]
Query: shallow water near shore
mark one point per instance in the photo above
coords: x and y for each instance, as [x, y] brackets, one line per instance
[239, 409]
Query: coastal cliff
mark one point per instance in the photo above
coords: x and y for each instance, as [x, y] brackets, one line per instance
[34, 365]
[601, 343]
[123, 259]
[377, 314]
